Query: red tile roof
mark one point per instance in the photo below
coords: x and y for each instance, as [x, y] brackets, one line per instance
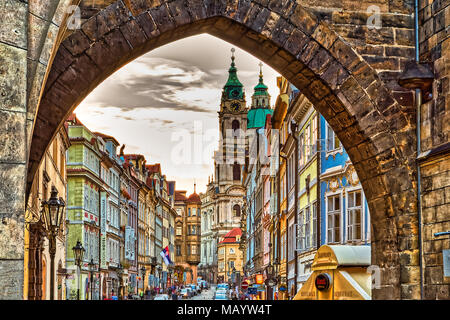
[230, 237]
[106, 137]
[154, 168]
[180, 195]
[194, 198]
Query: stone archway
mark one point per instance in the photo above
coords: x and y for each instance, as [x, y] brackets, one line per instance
[376, 133]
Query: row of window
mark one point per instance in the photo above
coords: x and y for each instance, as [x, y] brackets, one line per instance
[304, 236]
[111, 178]
[222, 266]
[113, 215]
[354, 218]
[91, 199]
[113, 251]
[191, 249]
[91, 245]
[91, 160]
[194, 212]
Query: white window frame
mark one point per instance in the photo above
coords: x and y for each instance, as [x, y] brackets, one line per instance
[313, 230]
[363, 213]
[331, 194]
[300, 232]
[334, 150]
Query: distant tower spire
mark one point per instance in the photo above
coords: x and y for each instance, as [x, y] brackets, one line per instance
[194, 186]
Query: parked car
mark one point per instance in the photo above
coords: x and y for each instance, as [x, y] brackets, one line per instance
[223, 286]
[194, 289]
[161, 297]
[221, 296]
[185, 293]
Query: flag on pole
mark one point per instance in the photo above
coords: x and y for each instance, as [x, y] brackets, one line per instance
[165, 255]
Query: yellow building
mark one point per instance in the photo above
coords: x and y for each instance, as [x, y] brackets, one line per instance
[51, 173]
[229, 256]
[278, 166]
[303, 112]
[188, 236]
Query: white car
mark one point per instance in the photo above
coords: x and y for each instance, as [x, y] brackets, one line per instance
[220, 296]
[221, 291]
[161, 297]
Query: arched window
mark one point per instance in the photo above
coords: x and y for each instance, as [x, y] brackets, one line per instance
[235, 125]
[236, 172]
[236, 210]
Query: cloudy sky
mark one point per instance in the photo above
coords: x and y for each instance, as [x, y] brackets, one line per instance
[164, 105]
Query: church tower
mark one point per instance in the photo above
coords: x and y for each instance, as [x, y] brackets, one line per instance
[232, 125]
[230, 156]
[260, 104]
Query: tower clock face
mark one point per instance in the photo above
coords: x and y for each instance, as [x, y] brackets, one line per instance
[235, 106]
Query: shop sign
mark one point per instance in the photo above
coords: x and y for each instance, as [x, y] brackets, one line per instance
[252, 290]
[322, 282]
[259, 279]
[446, 262]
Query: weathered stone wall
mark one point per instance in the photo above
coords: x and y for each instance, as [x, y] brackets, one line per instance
[434, 38]
[13, 147]
[30, 36]
[387, 47]
[29, 33]
[436, 218]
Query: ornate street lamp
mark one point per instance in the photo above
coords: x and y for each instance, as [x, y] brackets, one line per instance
[120, 273]
[269, 270]
[78, 253]
[51, 217]
[143, 278]
[92, 269]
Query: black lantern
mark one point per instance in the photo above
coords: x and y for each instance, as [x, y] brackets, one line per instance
[52, 215]
[78, 253]
[269, 270]
[92, 269]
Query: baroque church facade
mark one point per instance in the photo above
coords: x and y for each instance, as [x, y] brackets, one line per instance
[222, 204]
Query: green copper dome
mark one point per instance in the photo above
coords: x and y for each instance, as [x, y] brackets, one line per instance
[256, 117]
[261, 88]
[233, 89]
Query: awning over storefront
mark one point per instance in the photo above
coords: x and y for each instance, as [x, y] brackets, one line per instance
[339, 273]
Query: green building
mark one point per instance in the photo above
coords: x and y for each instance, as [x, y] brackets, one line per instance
[83, 209]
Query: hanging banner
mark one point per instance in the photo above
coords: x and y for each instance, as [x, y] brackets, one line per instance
[129, 243]
[103, 230]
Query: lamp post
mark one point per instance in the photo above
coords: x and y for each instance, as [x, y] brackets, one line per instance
[120, 273]
[51, 219]
[92, 269]
[143, 278]
[78, 252]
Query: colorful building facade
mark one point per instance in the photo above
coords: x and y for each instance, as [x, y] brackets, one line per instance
[51, 173]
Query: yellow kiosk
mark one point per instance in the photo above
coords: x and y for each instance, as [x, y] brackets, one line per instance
[339, 273]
